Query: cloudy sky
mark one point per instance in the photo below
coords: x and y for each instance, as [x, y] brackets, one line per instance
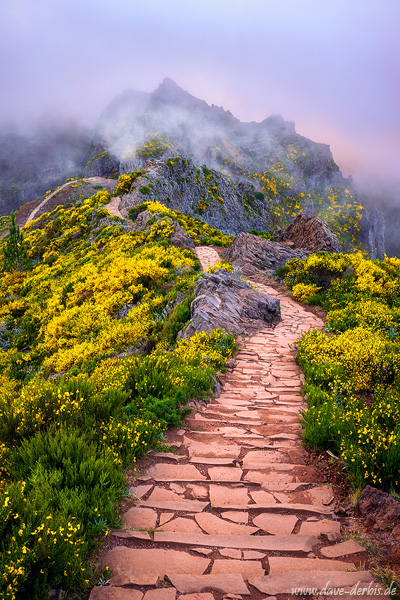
[332, 66]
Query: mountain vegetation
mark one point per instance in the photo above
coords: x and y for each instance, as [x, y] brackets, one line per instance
[96, 292]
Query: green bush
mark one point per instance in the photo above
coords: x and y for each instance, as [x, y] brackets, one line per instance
[145, 189]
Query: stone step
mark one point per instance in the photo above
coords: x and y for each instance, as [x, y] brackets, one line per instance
[138, 566]
[226, 584]
[272, 543]
[288, 564]
[316, 581]
[285, 508]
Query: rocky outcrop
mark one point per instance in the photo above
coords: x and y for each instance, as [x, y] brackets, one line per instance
[309, 233]
[222, 300]
[381, 510]
[253, 254]
[199, 192]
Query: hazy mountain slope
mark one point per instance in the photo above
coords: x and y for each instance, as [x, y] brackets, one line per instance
[211, 135]
[32, 164]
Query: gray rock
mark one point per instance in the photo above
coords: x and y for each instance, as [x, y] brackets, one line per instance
[142, 219]
[187, 188]
[309, 233]
[222, 300]
[125, 310]
[254, 254]
[180, 239]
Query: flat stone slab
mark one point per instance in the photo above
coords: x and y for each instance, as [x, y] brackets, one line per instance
[262, 497]
[253, 555]
[248, 414]
[237, 516]
[168, 500]
[181, 525]
[282, 486]
[269, 479]
[276, 524]
[264, 458]
[221, 496]
[212, 450]
[161, 594]
[167, 472]
[342, 549]
[323, 526]
[140, 518]
[287, 582]
[246, 568]
[321, 495]
[139, 490]
[216, 526]
[144, 567]
[285, 543]
[283, 564]
[225, 474]
[113, 593]
[199, 492]
[165, 517]
[226, 584]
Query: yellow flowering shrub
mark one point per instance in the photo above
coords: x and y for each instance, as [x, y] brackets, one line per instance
[221, 264]
[303, 291]
[197, 229]
[90, 378]
[352, 369]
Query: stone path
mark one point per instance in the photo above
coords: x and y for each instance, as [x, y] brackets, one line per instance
[236, 512]
[33, 214]
[113, 207]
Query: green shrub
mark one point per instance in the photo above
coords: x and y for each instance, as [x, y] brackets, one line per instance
[145, 189]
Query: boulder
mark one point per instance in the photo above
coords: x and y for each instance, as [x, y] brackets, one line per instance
[181, 239]
[309, 233]
[381, 510]
[142, 219]
[222, 300]
[254, 254]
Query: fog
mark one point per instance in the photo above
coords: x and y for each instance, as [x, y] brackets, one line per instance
[332, 66]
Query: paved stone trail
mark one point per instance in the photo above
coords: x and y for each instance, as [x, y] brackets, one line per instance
[236, 514]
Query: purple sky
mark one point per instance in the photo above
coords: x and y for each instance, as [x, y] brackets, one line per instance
[332, 66]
